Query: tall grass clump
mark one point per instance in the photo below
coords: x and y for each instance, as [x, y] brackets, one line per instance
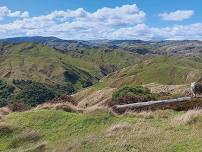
[5, 129]
[190, 117]
[27, 136]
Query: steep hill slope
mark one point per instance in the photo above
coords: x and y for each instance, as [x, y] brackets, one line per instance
[42, 63]
[108, 60]
[55, 71]
[29, 61]
[162, 70]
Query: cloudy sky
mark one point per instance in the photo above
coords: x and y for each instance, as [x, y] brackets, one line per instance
[102, 19]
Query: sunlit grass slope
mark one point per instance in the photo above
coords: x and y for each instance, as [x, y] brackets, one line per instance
[43, 64]
[50, 130]
[162, 70]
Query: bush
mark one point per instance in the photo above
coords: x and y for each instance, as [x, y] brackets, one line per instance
[63, 99]
[30, 92]
[133, 94]
[34, 93]
[5, 93]
[18, 106]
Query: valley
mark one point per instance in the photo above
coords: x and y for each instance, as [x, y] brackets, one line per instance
[58, 95]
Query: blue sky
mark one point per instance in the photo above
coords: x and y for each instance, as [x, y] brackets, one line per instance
[123, 19]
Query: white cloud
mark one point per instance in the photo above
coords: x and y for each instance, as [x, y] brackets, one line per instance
[125, 22]
[177, 32]
[178, 15]
[75, 24]
[127, 14]
[6, 12]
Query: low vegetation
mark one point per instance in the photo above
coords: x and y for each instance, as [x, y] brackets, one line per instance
[53, 130]
[30, 93]
[34, 93]
[190, 117]
[6, 91]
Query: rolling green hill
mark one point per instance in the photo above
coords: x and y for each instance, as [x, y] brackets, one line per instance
[62, 67]
[43, 64]
[50, 68]
[162, 70]
[108, 60]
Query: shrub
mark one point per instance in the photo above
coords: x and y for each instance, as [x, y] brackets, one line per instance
[5, 93]
[63, 99]
[86, 83]
[34, 93]
[71, 77]
[133, 94]
[18, 106]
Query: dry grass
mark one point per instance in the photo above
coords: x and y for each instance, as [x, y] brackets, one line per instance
[28, 135]
[97, 108]
[45, 106]
[67, 108]
[81, 95]
[18, 107]
[142, 114]
[174, 90]
[5, 128]
[38, 147]
[148, 114]
[117, 128]
[4, 111]
[131, 137]
[91, 97]
[120, 126]
[88, 100]
[190, 117]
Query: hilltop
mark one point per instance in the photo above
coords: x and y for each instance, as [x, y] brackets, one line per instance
[166, 47]
[161, 70]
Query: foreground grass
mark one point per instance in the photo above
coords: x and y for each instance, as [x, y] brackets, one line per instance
[50, 130]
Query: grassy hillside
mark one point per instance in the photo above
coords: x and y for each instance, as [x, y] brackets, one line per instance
[43, 64]
[50, 130]
[33, 73]
[162, 70]
[108, 60]
[51, 69]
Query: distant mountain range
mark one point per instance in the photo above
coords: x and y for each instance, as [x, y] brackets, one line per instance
[171, 47]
